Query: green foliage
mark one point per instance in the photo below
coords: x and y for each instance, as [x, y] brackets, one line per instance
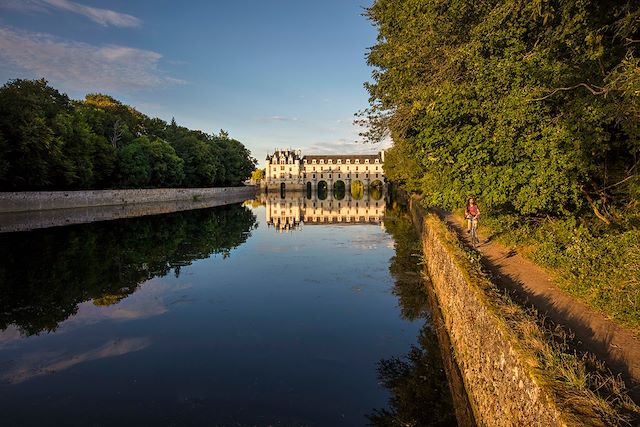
[258, 174]
[357, 190]
[31, 151]
[134, 167]
[531, 106]
[200, 165]
[48, 141]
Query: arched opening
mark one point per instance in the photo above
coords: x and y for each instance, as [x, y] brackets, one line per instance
[309, 190]
[376, 188]
[339, 190]
[357, 189]
[283, 190]
[323, 190]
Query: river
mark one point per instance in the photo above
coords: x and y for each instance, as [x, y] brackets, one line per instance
[286, 310]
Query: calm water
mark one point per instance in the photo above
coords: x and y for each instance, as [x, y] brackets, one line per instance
[275, 312]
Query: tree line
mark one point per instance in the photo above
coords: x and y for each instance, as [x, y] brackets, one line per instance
[534, 106]
[51, 142]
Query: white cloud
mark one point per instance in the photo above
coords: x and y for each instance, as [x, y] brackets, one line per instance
[24, 5]
[277, 118]
[43, 363]
[82, 66]
[103, 17]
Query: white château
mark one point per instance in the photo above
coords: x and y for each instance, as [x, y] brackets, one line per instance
[290, 170]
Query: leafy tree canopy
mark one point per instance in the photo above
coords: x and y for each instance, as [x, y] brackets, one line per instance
[532, 105]
[48, 141]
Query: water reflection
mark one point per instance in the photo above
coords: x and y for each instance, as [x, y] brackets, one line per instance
[288, 329]
[32, 366]
[417, 382]
[44, 277]
[287, 212]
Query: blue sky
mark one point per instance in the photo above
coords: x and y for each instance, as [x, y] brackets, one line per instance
[278, 73]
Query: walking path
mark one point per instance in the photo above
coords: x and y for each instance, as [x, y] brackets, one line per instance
[533, 285]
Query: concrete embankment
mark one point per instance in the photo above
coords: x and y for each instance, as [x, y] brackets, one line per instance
[22, 211]
[504, 379]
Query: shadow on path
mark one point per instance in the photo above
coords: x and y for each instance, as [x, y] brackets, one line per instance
[531, 285]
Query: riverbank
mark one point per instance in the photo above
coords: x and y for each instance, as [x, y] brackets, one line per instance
[46, 200]
[34, 210]
[531, 285]
[516, 371]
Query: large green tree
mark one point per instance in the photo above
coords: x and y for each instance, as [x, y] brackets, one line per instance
[532, 105]
[30, 149]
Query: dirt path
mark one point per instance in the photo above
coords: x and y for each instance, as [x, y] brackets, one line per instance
[532, 285]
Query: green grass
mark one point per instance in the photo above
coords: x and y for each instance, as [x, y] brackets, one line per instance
[596, 263]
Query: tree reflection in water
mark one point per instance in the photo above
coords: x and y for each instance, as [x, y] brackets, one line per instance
[45, 274]
[417, 382]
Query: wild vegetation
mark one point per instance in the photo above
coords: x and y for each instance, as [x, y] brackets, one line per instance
[48, 141]
[534, 108]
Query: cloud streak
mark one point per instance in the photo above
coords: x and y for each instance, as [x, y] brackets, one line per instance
[104, 17]
[83, 66]
[280, 119]
[36, 365]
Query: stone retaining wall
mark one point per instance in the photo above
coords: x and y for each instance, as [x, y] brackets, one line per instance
[32, 220]
[46, 200]
[498, 376]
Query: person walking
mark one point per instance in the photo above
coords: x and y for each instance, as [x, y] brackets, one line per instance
[471, 212]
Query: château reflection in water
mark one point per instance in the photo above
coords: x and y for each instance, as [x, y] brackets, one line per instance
[261, 329]
[287, 211]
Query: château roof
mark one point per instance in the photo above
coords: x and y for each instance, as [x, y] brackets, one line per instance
[297, 155]
[293, 154]
[361, 157]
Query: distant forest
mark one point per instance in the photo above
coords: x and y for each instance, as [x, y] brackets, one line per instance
[51, 142]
